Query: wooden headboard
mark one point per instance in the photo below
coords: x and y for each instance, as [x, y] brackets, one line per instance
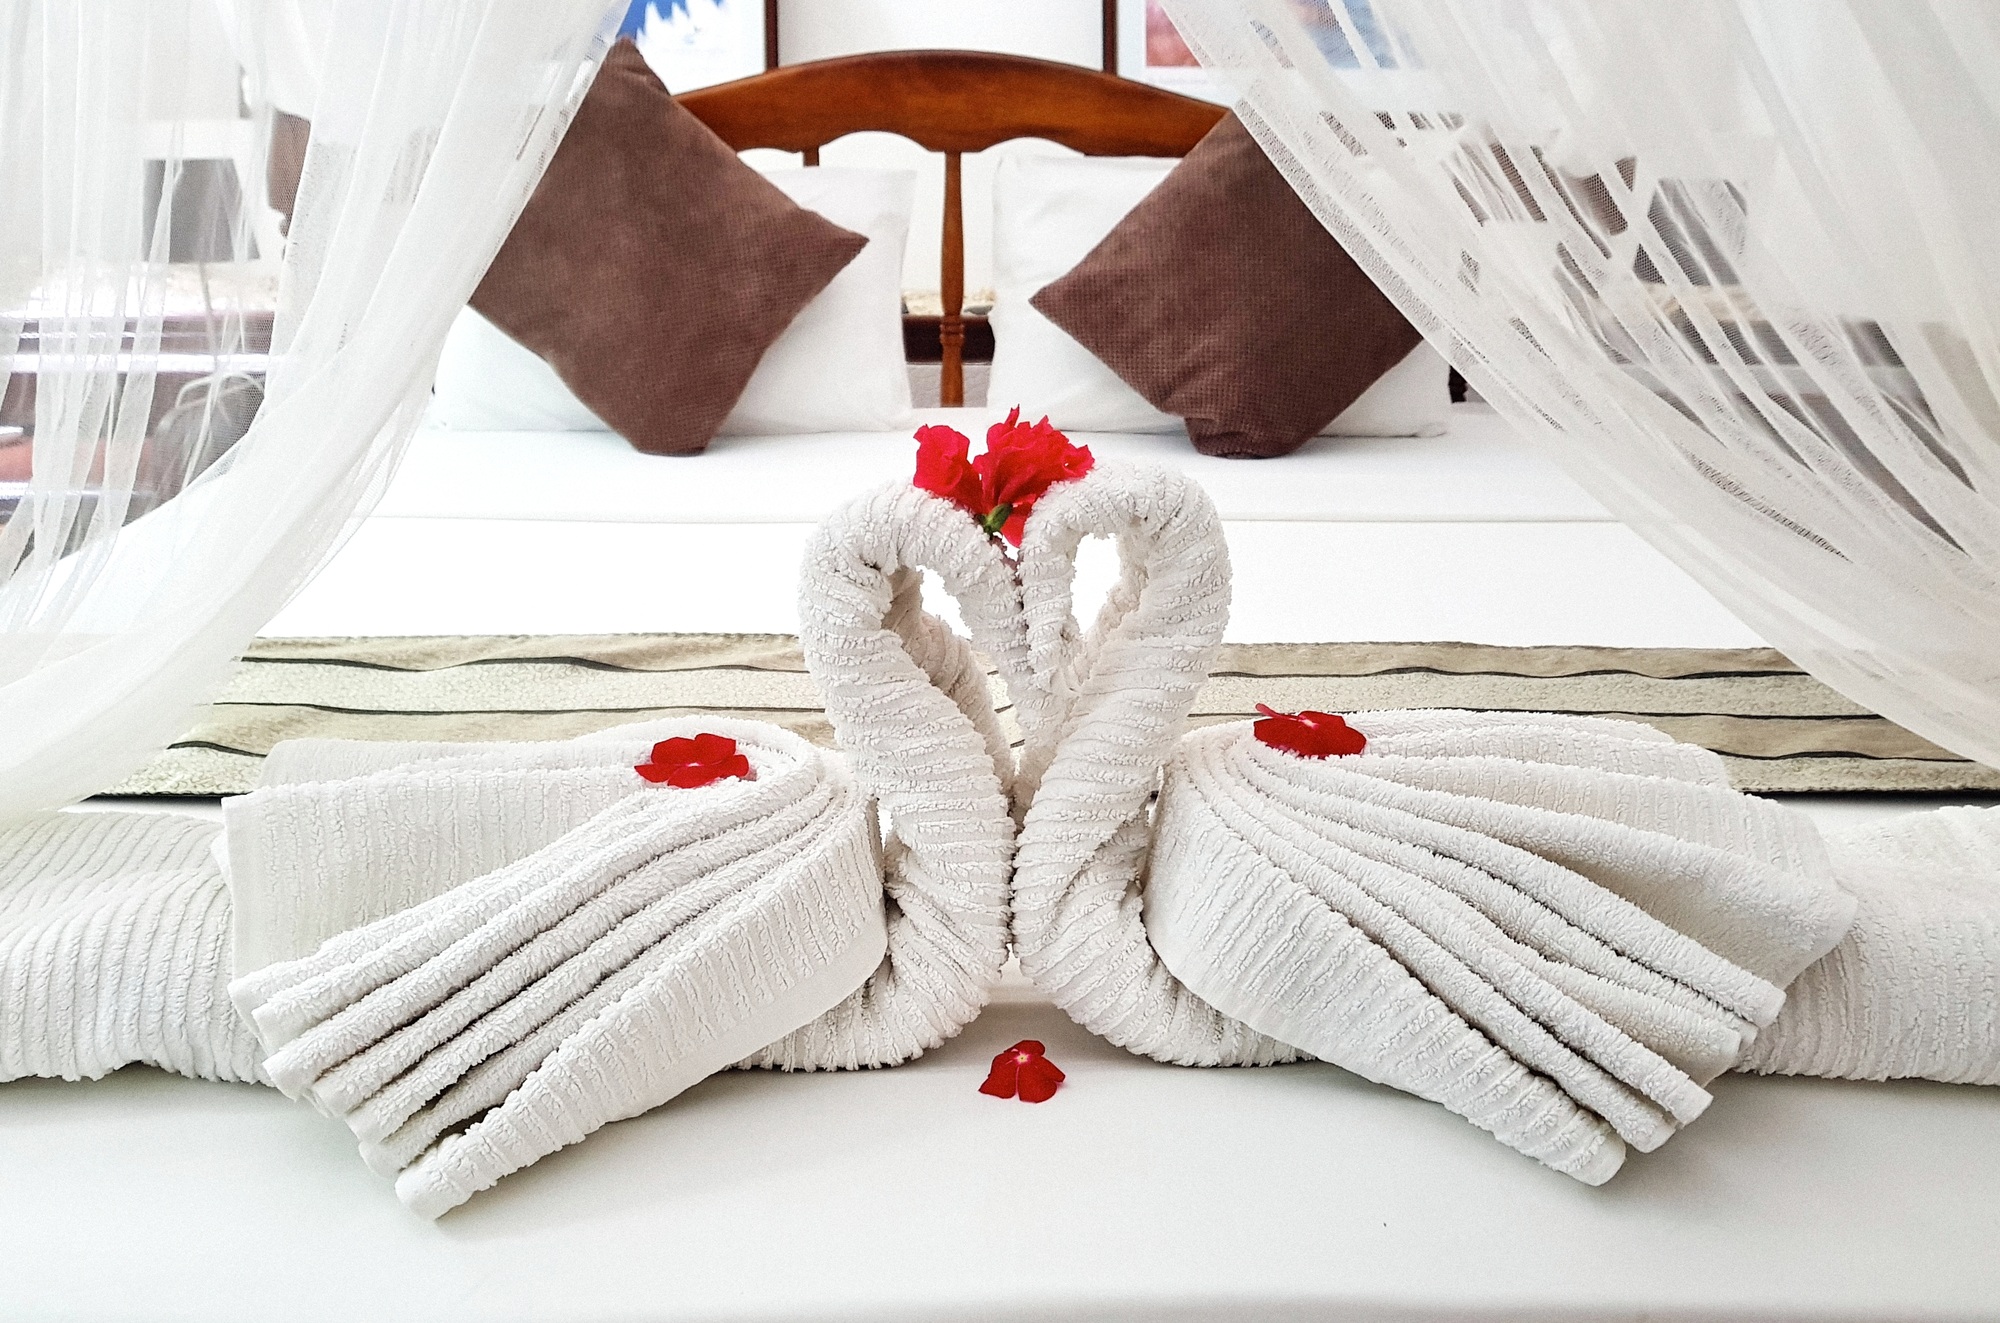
[952, 102]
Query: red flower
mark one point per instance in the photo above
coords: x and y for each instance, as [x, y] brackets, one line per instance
[701, 761]
[1308, 734]
[1022, 1068]
[999, 488]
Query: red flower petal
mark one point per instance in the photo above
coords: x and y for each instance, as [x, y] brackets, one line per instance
[942, 469]
[709, 748]
[1024, 1070]
[675, 750]
[1308, 734]
[692, 763]
[1001, 1079]
[1021, 462]
[1039, 1079]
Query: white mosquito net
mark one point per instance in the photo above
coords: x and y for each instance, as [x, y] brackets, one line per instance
[1732, 260]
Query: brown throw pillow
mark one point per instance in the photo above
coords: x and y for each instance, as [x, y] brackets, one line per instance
[652, 268]
[1222, 300]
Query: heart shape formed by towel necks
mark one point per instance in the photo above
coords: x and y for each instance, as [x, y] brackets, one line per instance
[1308, 734]
[1023, 1069]
[998, 488]
[692, 763]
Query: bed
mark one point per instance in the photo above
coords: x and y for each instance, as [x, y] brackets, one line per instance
[1143, 1191]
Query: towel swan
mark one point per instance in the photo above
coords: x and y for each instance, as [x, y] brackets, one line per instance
[1559, 927]
[476, 954]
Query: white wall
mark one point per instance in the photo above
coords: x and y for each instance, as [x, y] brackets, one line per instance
[1068, 30]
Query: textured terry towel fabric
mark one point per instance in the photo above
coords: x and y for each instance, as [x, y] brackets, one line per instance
[604, 972]
[1558, 927]
[114, 949]
[1913, 990]
[666, 936]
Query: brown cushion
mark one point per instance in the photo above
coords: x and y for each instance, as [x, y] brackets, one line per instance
[1222, 300]
[652, 268]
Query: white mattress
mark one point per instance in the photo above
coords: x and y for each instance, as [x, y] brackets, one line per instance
[1469, 536]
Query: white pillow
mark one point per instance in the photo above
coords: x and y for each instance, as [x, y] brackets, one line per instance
[838, 367]
[1048, 213]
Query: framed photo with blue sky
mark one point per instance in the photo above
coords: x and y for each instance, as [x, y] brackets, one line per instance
[698, 43]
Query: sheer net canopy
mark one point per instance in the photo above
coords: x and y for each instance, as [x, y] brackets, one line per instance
[1731, 260]
[197, 402]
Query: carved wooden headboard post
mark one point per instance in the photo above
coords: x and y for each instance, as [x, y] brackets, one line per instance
[951, 102]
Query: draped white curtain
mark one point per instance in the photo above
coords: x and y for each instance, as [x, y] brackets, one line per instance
[196, 407]
[1735, 261]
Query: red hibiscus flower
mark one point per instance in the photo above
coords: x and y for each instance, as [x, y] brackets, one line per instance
[701, 761]
[999, 488]
[1024, 1070]
[1308, 734]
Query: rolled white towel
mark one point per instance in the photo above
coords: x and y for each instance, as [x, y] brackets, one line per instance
[114, 949]
[1913, 990]
[492, 951]
[1558, 927]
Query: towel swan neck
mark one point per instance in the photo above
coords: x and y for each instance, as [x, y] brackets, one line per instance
[1102, 711]
[913, 714]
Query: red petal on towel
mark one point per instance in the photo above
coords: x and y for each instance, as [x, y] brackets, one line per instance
[1308, 734]
[942, 469]
[1024, 1070]
[1022, 461]
[691, 764]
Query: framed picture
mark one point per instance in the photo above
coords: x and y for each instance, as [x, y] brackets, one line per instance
[698, 43]
[1150, 48]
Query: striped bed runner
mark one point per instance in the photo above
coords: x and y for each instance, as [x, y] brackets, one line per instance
[1777, 728]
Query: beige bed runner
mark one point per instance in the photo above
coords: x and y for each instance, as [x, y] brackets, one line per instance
[1778, 729]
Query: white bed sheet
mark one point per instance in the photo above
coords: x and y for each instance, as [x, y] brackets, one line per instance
[1480, 470]
[1140, 1191]
[1469, 536]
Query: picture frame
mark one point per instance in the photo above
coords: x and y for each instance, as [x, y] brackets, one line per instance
[698, 43]
[1142, 44]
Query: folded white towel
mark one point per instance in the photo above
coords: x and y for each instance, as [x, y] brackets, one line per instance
[1913, 990]
[1558, 927]
[114, 949]
[547, 943]
[662, 939]
[1575, 1014]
